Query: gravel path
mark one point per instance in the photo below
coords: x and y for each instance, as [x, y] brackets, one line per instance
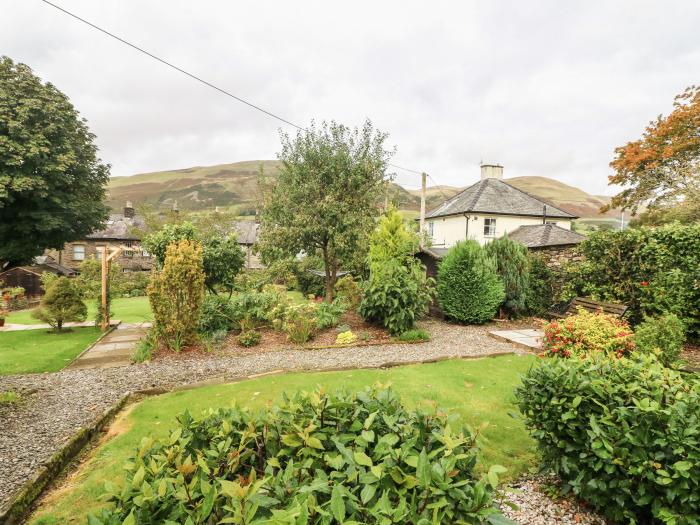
[536, 508]
[55, 406]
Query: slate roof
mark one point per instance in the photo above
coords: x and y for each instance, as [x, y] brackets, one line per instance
[494, 196]
[544, 235]
[246, 232]
[118, 227]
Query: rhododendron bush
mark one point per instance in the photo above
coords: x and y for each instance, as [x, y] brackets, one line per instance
[588, 333]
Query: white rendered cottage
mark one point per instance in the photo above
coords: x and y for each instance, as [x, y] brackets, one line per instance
[488, 210]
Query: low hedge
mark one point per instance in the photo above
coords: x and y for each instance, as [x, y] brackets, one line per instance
[318, 459]
[622, 434]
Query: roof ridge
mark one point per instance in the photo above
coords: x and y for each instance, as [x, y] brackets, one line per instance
[540, 199]
[446, 202]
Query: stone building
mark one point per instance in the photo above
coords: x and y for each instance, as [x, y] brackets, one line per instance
[556, 245]
[119, 232]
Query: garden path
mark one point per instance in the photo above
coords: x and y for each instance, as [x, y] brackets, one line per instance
[115, 349]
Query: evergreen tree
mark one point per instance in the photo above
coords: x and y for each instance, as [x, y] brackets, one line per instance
[61, 303]
[513, 266]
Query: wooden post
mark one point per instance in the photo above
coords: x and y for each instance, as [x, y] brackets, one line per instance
[105, 272]
[422, 208]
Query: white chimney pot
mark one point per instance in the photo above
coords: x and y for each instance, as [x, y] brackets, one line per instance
[491, 171]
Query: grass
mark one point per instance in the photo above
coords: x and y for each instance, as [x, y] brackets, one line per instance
[479, 391]
[9, 397]
[37, 351]
[126, 309]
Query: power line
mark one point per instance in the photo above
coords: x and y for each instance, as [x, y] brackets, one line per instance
[195, 77]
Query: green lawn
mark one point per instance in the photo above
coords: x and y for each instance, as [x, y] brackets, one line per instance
[36, 351]
[126, 309]
[480, 391]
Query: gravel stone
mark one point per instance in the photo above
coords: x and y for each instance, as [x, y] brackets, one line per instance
[536, 508]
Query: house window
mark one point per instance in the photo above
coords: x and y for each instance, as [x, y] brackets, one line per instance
[128, 244]
[430, 228]
[128, 253]
[144, 253]
[489, 227]
[78, 252]
[99, 250]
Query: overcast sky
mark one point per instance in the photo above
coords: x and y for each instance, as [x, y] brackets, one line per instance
[545, 88]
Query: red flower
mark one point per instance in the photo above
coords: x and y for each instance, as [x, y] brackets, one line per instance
[644, 283]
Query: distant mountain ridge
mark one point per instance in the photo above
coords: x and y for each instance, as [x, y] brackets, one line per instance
[236, 185]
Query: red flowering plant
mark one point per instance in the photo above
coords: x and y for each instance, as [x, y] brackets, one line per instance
[588, 333]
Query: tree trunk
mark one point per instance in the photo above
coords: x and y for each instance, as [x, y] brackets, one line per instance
[330, 267]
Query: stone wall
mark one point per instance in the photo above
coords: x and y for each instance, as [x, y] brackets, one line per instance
[555, 257]
[131, 259]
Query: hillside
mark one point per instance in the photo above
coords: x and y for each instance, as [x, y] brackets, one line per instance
[229, 185]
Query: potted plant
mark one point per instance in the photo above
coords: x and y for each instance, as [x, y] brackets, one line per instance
[3, 314]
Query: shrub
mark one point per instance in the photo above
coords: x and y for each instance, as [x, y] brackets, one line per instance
[249, 338]
[652, 270]
[620, 433]
[513, 266]
[216, 314]
[469, 289]
[348, 291]
[397, 291]
[316, 459]
[345, 338]
[176, 294]
[61, 303]
[343, 328]
[328, 314]
[300, 323]
[588, 333]
[417, 335]
[145, 347]
[260, 308]
[540, 295]
[664, 335]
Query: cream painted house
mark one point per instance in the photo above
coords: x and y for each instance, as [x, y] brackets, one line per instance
[489, 209]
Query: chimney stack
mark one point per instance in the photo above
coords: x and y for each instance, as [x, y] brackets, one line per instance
[129, 210]
[491, 171]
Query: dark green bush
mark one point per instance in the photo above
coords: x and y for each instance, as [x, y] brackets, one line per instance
[652, 270]
[622, 434]
[328, 314]
[540, 296]
[258, 307]
[513, 266]
[310, 283]
[217, 313]
[469, 289]
[318, 458]
[664, 335]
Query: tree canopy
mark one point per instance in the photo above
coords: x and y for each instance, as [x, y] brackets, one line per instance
[327, 196]
[663, 167]
[51, 181]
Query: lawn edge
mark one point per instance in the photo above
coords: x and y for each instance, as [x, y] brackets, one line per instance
[21, 506]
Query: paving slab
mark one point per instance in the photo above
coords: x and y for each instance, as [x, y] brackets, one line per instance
[530, 339]
[115, 349]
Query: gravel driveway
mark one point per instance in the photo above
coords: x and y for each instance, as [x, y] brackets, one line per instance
[55, 406]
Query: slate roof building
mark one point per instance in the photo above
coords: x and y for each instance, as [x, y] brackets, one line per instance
[546, 236]
[488, 210]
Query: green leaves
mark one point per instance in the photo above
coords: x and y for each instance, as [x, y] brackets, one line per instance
[622, 434]
[316, 459]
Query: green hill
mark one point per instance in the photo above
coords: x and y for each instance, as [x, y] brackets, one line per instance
[235, 185]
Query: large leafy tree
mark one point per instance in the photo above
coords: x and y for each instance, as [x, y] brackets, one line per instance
[51, 181]
[663, 167]
[327, 196]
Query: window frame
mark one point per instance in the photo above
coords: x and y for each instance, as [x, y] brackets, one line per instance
[75, 254]
[490, 227]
